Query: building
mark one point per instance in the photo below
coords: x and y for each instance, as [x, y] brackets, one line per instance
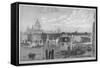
[34, 34]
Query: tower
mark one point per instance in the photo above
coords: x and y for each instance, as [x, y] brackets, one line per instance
[37, 25]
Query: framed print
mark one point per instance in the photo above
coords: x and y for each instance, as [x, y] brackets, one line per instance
[52, 33]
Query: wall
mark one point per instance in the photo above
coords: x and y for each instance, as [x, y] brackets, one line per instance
[5, 34]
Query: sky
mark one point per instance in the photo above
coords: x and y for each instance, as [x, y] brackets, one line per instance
[65, 19]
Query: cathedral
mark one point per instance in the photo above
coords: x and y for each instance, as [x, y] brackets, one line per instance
[34, 34]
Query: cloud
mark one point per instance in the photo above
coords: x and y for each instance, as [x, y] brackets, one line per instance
[53, 18]
[80, 20]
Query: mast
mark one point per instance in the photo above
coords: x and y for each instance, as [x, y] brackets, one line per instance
[94, 36]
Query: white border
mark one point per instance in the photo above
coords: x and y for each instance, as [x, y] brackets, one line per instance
[54, 60]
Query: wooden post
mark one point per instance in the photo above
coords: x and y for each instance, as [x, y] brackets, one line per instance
[71, 45]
